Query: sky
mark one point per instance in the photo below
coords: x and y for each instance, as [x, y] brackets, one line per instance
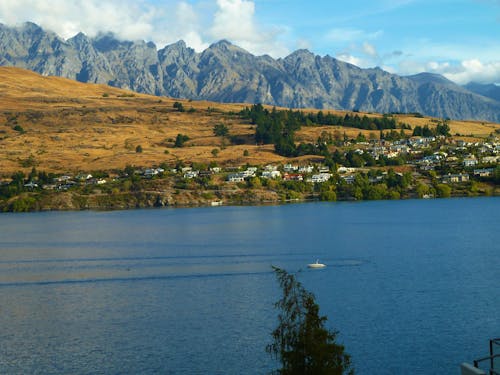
[459, 39]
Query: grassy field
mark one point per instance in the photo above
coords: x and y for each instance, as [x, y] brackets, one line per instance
[63, 126]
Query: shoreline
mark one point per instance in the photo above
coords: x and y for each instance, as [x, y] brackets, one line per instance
[73, 201]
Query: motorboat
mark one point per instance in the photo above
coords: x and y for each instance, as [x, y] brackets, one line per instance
[316, 265]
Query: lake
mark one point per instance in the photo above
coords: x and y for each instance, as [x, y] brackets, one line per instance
[413, 286]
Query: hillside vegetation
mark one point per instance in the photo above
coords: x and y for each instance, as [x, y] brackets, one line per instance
[62, 126]
[69, 145]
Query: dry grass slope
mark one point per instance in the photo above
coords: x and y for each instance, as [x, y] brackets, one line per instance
[64, 126]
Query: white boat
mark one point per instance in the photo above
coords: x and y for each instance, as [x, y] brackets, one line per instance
[316, 265]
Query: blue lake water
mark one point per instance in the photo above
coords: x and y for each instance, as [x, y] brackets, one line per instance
[413, 286]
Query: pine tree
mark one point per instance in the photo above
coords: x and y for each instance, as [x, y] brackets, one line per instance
[301, 342]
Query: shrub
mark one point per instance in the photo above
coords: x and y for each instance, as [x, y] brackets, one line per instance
[180, 140]
[221, 130]
[179, 106]
[19, 128]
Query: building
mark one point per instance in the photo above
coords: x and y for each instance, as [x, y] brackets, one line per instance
[455, 178]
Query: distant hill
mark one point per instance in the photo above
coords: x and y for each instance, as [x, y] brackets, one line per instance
[489, 90]
[227, 73]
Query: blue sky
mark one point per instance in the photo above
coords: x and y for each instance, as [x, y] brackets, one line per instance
[457, 38]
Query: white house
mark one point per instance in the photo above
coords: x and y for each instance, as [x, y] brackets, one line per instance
[343, 169]
[321, 177]
[450, 178]
[235, 177]
[31, 185]
[484, 172]
[150, 172]
[349, 178]
[84, 176]
[271, 174]
[249, 172]
[490, 159]
[270, 167]
[191, 174]
[290, 168]
[470, 161]
[306, 169]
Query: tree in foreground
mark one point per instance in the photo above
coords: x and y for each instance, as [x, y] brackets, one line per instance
[301, 342]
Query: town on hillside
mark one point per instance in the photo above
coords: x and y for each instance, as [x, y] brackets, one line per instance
[391, 167]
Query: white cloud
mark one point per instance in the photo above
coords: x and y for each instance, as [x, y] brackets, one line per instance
[198, 23]
[303, 44]
[370, 50]
[128, 19]
[354, 60]
[349, 35]
[461, 72]
[235, 20]
[474, 71]
[344, 35]
[356, 46]
[202, 22]
[188, 28]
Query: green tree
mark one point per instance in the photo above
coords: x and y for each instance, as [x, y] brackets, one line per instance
[221, 130]
[19, 129]
[180, 140]
[361, 137]
[23, 204]
[328, 195]
[179, 106]
[443, 191]
[422, 189]
[443, 128]
[18, 181]
[255, 182]
[496, 175]
[301, 342]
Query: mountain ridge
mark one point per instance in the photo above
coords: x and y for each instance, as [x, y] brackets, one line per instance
[225, 72]
[491, 90]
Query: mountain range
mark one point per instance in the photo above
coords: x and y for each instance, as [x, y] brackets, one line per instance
[227, 73]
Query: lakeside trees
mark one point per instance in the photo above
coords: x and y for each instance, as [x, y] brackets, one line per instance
[301, 342]
[363, 184]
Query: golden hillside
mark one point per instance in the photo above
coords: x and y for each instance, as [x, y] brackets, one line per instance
[65, 126]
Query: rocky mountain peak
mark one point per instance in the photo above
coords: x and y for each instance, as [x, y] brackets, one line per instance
[31, 27]
[491, 90]
[79, 41]
[177, 47]
[222, 44]
[423, 78]
[105, 42]
[225, 72]
[301, 54]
